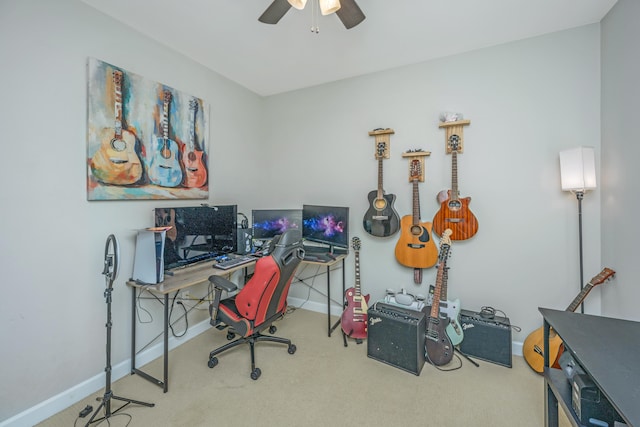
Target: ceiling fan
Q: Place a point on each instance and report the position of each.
(347, 10)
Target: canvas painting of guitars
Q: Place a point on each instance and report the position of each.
(454, 212)
(116, 161)
(533, 346)
(450, 308)
(438, 346)
(354, 317)
(415, 247)
(381, 219)
(164, 166)
(194, 160)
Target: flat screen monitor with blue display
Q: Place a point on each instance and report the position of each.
(328, 225)
(268, 223)
(197, 233)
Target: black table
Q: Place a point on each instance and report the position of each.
(609, 352)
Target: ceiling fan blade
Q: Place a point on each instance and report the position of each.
(350, 13)
(275, 12)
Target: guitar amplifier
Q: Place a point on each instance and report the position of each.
(396, 336)
(487, 338)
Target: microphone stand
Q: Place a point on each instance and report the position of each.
(110, 271)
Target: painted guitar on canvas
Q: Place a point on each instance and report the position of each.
(116, 162)
(533, 346)
(454, 212)
(354, 318)
(438, 346)
(164, 166)
(195, 169)
(450, 308)
(415, 247)
(381, 219)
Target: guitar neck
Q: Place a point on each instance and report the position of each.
(445, 278)
(454, 175)
(580, 297)
(416, 203)
(437, 292)
(380, 190)
(165, 116)
(117, 87)
(357, 292)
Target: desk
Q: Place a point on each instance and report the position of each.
(181, 279)
(195, 275)
(608, 351)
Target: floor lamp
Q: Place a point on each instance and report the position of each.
(578, 175)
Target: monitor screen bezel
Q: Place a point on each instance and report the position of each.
(310, 212)
(293, 216)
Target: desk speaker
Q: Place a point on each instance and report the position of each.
(488, 339)
(395, 336)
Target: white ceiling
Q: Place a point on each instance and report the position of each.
(225, 35)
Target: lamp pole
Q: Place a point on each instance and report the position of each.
(580, 196)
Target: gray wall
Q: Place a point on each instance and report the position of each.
(526, 101)
(620, 154)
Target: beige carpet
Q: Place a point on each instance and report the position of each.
(322, 384)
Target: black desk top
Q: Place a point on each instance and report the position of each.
(609, 351)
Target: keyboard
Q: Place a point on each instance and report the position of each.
(234, 262)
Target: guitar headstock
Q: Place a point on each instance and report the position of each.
(167, 97)
(605, 275)
(445, 245)
(117, 78)
(193, 105)
(454, 143)
(415, 169)
(355, 243)
(381, 148)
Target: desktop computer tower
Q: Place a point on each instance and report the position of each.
(396, 336)
(245, 241)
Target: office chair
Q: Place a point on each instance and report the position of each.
(261, 301)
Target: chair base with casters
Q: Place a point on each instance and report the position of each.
(260, 302)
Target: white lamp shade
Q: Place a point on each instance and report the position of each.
(329, 6)
(578, 169)
(298, 4)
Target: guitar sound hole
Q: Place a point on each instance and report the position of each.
(455, 205)
(416, 230)
(192, 156)
(165, 152)
(118, 144)
(380, 204)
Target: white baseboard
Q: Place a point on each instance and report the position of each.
(61, 401)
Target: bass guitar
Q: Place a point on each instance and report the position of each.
(450, 308)
(454, 212)
(354, 317)
(164, 166)
(533, 346)
(415, 247)
(195, 169)
(381, 219)
(117, 162)
(438, 346)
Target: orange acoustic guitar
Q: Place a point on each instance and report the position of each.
(533, 346)
(454, 212)
(116, 162)
(415, 247)
(195, 169)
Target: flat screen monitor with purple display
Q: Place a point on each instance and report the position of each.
(328, 225)
(268, 223)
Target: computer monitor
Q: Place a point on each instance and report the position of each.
(267, 223)
(326, 224)
(197, 233)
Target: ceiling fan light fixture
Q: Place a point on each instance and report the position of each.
(329, 6)
(298, 4)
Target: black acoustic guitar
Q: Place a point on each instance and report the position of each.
(438, 347)
(381, 219)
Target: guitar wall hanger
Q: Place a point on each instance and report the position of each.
(454, 128)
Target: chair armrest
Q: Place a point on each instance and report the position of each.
(222, 283)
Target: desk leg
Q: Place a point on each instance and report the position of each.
(166, 342)
(550, 407)
(332, 328)
(329, 300)
(133, 330)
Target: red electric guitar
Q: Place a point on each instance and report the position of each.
(354, 318)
